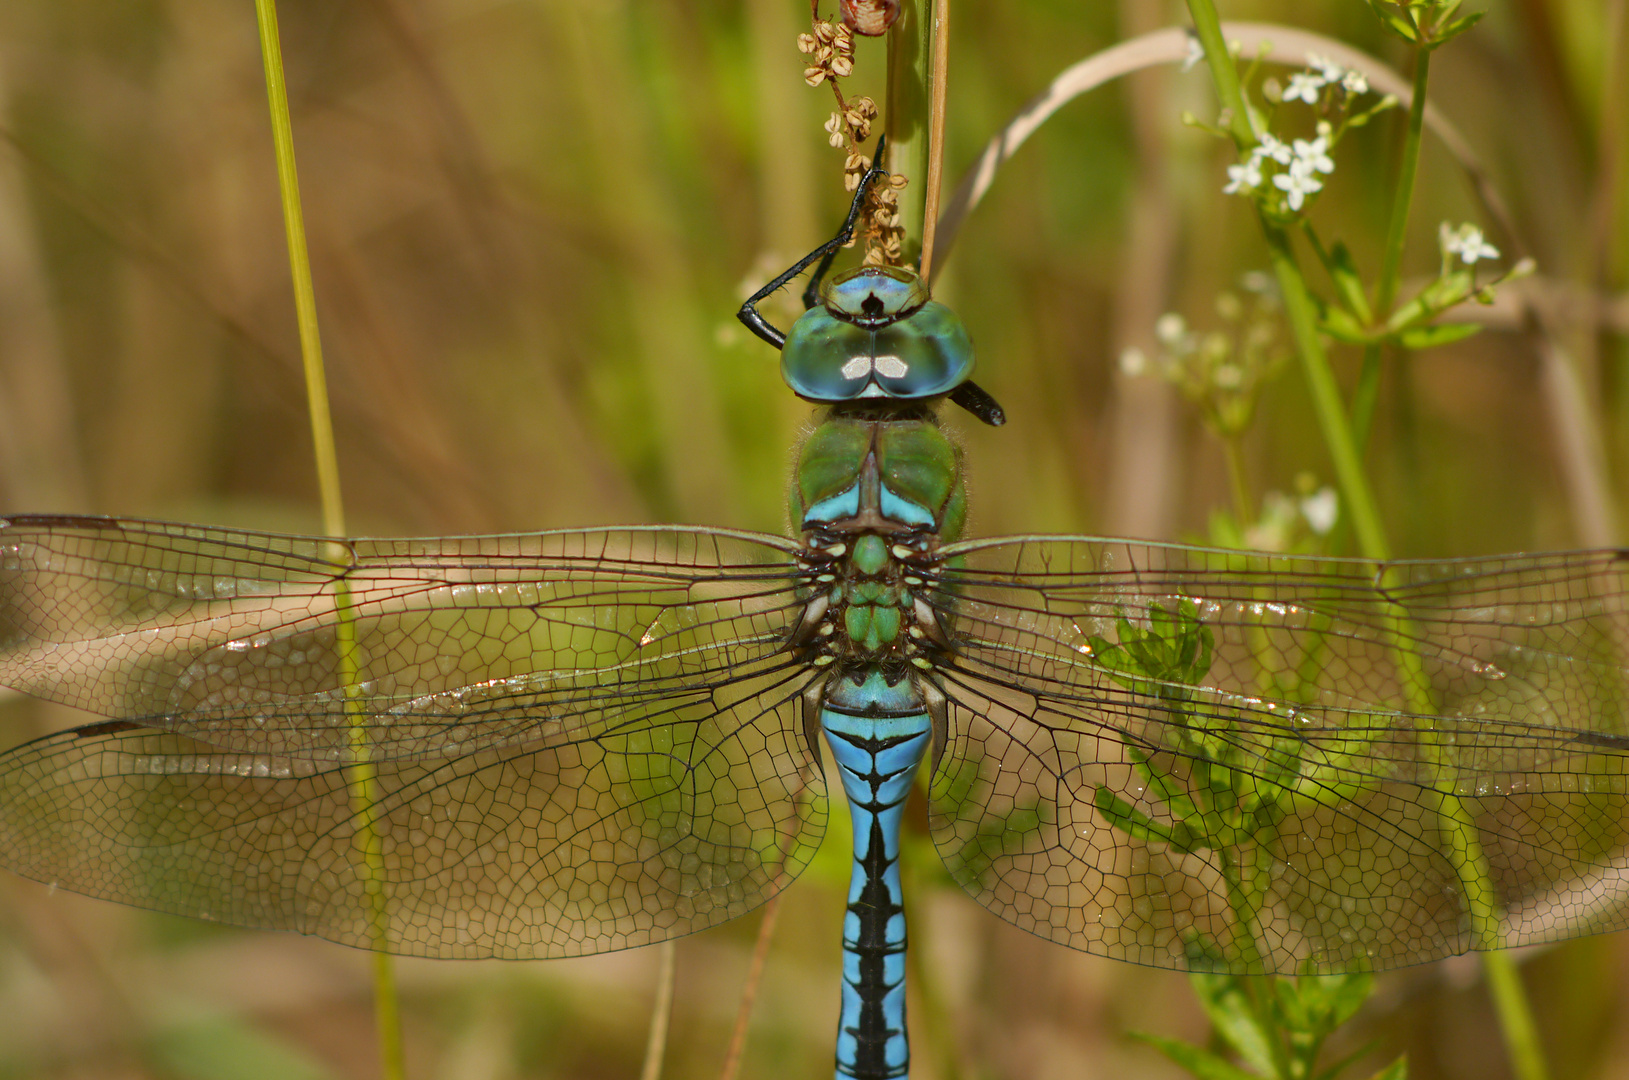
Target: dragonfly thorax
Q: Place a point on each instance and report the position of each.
(875, 494)
(876, 334)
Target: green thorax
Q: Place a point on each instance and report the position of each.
(877, 489)
(883, 470)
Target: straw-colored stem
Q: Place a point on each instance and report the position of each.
(938, 84)
(361, 777)
(661, 1012)
(749, 992)
(905, 116)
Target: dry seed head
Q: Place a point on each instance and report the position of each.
(869, 17)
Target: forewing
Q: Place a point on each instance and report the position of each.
(1380, 764)
(299, 646)
(539, 746)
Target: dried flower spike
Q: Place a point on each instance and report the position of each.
(869, 17)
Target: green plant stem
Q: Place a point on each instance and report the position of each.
(1235, 474)
(1326, 395)
(1403, 198)
(1368, 387)
(1515, 1016)
(361, 777)
(299, 259)
(1208, 25)
(1510, 999)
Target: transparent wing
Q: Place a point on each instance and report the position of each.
(540, 745)
(1215, 759)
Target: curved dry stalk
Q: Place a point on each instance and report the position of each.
(1580, 445)
(749, 992)
(661, 1011)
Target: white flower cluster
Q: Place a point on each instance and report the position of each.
(1301, 161)
(1321, 72)
(1467, 242)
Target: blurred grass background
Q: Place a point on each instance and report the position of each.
(530, 224)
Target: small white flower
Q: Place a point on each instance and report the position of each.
(1297, 183)
(1196, 53)
(1467, 242)
(1314, 154)
(1273, 148)
(1245, 176)
(1355, 82)
(1475, 246)
(1133, 362)
(1170, 328)
(1227, 377)
(1320, 509)
(1304, 86)
(1325, 67)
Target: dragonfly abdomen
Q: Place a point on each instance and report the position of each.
(878, 731)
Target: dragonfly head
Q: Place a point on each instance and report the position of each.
(876, 334)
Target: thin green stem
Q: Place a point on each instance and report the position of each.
(1403, 197)
(1365, 398)
(1326, 396)
(362, 775)
(305, 295)
(1515, 1016)
(1208, 25)
(1236, 479)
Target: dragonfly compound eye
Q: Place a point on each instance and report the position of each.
(877, 336)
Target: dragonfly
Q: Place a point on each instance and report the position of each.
(572, 742)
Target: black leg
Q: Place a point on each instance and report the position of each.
(973, 397)
(749, 314)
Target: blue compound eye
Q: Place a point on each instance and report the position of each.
(925, 354)
(878, 336)
(874, 295)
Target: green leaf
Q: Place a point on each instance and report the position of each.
(1230, 1011)
(1165, 790)
(228, 1048)
(1201, 1063)
(1348, 284)
(1397, 1070)
(1138, 825)
(1428, 337)
(1340, 324)
(1350, 991)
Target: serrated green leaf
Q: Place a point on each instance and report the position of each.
(1428, 337)
(1201, 1063)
